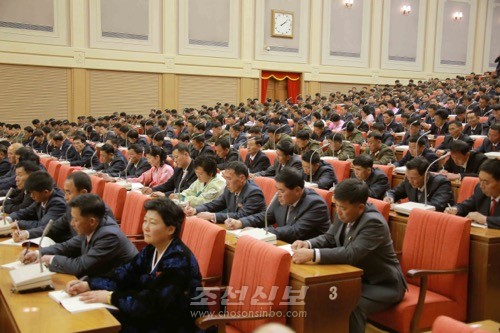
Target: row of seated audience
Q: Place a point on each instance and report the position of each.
(91, 244)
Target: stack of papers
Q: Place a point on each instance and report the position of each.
(73, 303)
(47, 241)
(493, 155)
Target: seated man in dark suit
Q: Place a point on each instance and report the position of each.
(474, 127)
(158, 139)
(111, 163)
(241, 197)
(133, 138)
(5, 165)
(387, 137)
(376, 179)
(49, 203)
(320, 132)
(236, 137)
(225, 154)
(491, 143)
(284, 158)
(85, 155)
(440, 125)
(360, 124)
(63, 149)
(138, 164)
(455, 133)
(20, 198)
(482, 207)
(200, 147)
(462, 162)
(39, 142)
(359, 236)
(256, 160)
(99, 247)
(413, 129)
(418, 149)
(297, 213)
(76, 183)
(323, 174)
(439, 192)
(390, 124)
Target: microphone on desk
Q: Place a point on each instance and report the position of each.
(267, 210)
(66, 154)
(276, 130)
(427, 172)
(92, 160)
(315, 151)
(420, 137)
(3, 204)
(45, 232)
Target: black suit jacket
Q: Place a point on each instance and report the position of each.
(309, 218)
(232, 156)
(205, 150)
(136, 171)
(442, 131)
(35, 215)
(250, 201)
(324, 176)
(259, 163)
(473, 164)
(439, 192)
(481, 129)
(363, 127)
(4, 166)
(448, 141)
(83, 159)
(377, 182)
(66, 152)
(427, 154)
(480, 203)
(275, 169)
(18, 200)
(174, 182)
(115, 168)
(487, 147)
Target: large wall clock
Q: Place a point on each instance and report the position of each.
(282, 24)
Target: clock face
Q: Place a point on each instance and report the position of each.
(282, 24)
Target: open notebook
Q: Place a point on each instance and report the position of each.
(73, 303)
(35, 242)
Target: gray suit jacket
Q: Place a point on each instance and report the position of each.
(250, 201)
(108, 249)
(368, 246)
(309, 218)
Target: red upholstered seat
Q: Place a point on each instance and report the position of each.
(387, 169)
(133, 217)
(342, 168)
(445, 324)
(271, 155)
(467, 187)
(243, 153)
(357, 149)
(207, 242)
(45, 161)
(53, 170)
(258, 268)
(478, 142)
(439, 140)
(268, 186)
(114, 196)
(327, 196)
(433, 241)
(382, 206)
(98, 185)
(64, 172)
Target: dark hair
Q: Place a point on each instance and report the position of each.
(459, 146)
(303, 135)
(90, 205)
(491, 167)
(199, 137)
(26, 154)
(306, 157)
(3, 149)
(290, 177)
(171, 214)
(28, 166)
(238, 167)
(107, 148)
(319, 124)
(375, 135)
(363, 160)
(457, 123)
(81, 180)
(286, 147)
(352, 190)
(207, 163)
(133, 134)
(157, 151)
(136, 147)
(39, 181)
(442, 113)
(414, 138)
(495, 127)
(418, 163)
(182, 148)
(223, 142)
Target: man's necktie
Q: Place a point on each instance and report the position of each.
(493, 207)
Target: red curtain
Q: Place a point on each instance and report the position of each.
(293, 83)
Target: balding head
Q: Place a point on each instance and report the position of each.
(11, 152)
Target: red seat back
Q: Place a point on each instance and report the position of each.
(98, 185)
(207, 242)
(327, 196)
(243, 153)
(388, 169)
(53, 170)
(478, 142)
(133, 213)
(467, 187)
(268, 187)
(382, 206)
(444, 324)
(64, 171)
(271, 155)
(114, 196)
(342, 168)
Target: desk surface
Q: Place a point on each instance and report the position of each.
(37, 312)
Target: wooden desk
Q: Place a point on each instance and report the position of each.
(484, 268)
(37, 312)
(398, 178)
(322, 313)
